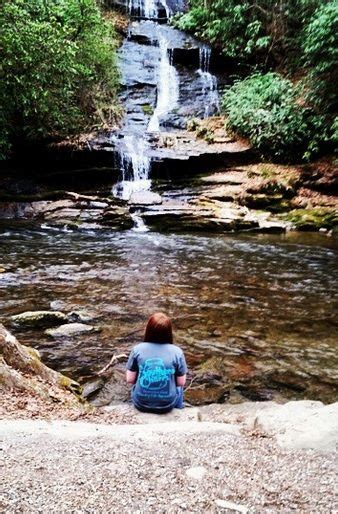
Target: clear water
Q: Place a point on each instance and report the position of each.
(262, 306)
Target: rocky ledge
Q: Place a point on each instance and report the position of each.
(251, 197)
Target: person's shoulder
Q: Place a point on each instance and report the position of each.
(177, 349)
(139, 345)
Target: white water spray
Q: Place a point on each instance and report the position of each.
(167, 86)
(134, 163)
(144, 8)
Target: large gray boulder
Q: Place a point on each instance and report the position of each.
(302, 424)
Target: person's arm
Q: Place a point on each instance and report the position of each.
(132, 368)
(181, 371)
(131, 376)
(180, 381)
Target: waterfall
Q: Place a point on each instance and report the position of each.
(204, 58)
(134, 163)
(166, 8)
(209, 83)
(167, 86)
(147, 8)
(144, 8)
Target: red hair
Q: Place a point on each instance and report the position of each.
(159, 329)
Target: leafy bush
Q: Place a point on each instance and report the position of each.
(320, 44)
(320, 47)
(260, 31)
(265, 109)
(58, 69)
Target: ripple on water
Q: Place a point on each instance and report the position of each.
(217, 288)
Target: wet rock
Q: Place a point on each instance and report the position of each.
(82, 316)
(70, 330)
(58, 305)
(275, 227)
(118, 218)
(39, 319)
(263, 201)
(92, 388)
(196, 220)
(186, 56)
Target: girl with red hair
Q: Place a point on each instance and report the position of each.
(157, 368)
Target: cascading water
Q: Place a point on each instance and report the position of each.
(147, 9)
(134, 163)
(209, 83)
(153, 88)
(167, 86)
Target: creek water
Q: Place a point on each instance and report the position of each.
(261, 309)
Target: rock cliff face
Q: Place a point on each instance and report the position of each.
(21, 370)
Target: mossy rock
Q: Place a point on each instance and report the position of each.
(39, 319)
(313, 219)
(147, 109)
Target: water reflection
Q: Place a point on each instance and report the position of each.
(264, 305)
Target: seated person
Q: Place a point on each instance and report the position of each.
(157, 369)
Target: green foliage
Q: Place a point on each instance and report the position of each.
(265, 109)
(320, 47)
(289, 35)
(259, 31)
(57, 69)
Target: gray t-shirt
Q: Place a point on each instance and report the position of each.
(157, 366)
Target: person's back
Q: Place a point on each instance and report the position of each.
(157, 368)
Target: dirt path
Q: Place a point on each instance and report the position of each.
(64, 466)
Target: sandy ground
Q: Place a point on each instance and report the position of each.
(165, 467)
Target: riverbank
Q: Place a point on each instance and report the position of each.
(251, 457)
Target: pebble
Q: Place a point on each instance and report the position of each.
(197, 472)
(224, 504)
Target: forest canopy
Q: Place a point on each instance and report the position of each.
(295, 107)
(58, 71)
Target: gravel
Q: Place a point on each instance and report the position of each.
(173, 467)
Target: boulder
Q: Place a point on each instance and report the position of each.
(302, 424)
(144, 198)
(118, 218)
(21, 369)
(70, 330)
(39, 319)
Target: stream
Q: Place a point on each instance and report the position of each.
(259, 311)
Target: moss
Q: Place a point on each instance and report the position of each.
(147, 109)
(313, 219)
(70, 385)
(35, 354)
